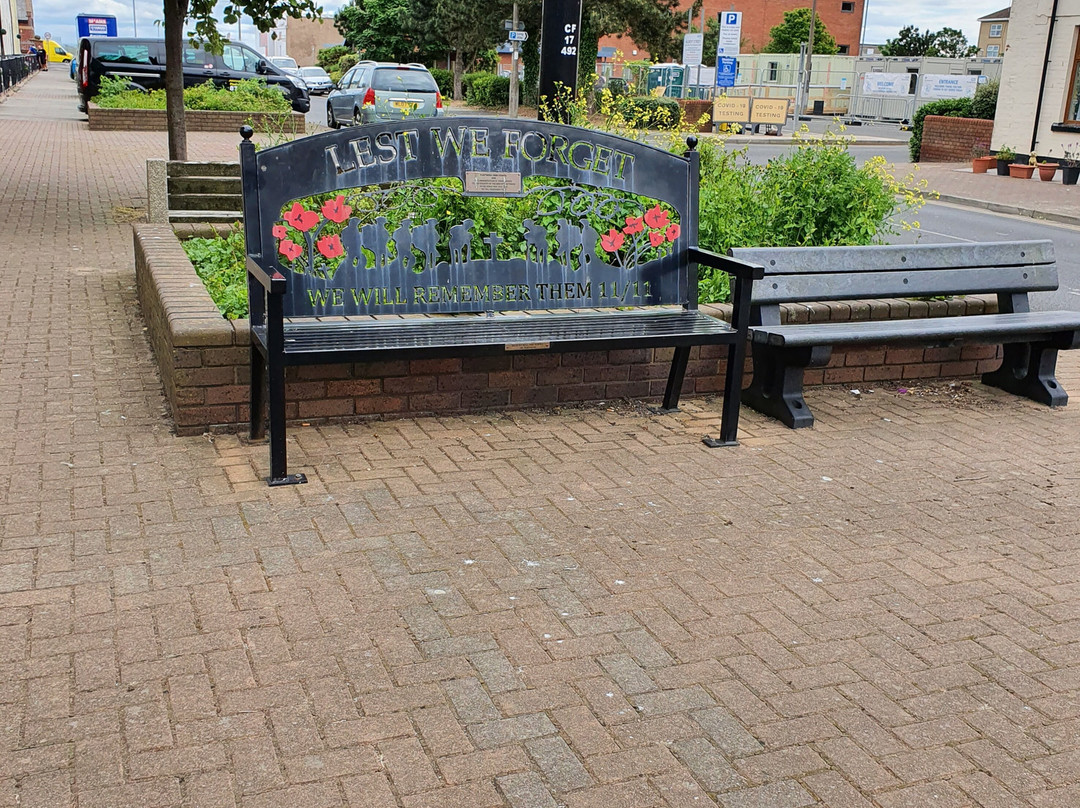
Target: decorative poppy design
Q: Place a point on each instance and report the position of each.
(612, 240)
(279, 231)
(290, 249)
(633, 225)
(656, 238)
(672, 232)
(336, 210)
(657, 218)
(302, 220)
(330, 246)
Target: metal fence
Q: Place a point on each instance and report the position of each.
(14, 69)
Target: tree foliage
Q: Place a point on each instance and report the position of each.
(462, 28)
(375, 29)
(946, 42)
(201, 14)
(795, 29)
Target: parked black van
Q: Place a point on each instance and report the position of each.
(142, 62)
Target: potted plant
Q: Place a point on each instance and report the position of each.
(1070, 164)
(1005, 155)
(1024, 171)
(980, 159)
(1047, 170)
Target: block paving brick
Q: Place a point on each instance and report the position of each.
(572, 607)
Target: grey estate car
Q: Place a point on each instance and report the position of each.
(380, 91)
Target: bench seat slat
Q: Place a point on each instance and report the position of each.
(904, 283)
(465, 331)
(1018, 327)
(882, 258)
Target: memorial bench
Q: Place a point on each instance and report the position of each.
(781, 352)
(352, 256)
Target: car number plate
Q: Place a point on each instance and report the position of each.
(409, 105)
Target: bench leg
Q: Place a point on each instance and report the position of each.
(257, 416)
(278, 460)
(1027, 369)
(776, 388)
(675, 380)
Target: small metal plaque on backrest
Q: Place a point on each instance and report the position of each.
(493, 183)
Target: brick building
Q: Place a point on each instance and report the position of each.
(301, 38)
(843, 19)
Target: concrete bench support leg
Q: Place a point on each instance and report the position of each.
(776, 388)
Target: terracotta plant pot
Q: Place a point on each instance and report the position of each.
(980, 165)
(1069, 174)
(1047, 171)
(1021, 170)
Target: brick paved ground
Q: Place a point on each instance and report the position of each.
(585, 608)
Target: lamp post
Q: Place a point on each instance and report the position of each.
(134, 22)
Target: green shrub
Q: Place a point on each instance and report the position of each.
(949, 107)
(648, 112)
(487, 90)
(984, 105)
(250, 95)
(347, 62)
(220, 264)
(467, 80)
(328, 58)
(445, 80)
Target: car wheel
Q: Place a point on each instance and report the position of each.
(331, 121)
(357, 119)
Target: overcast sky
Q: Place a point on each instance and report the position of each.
(883, 20)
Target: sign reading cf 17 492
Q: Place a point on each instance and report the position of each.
(559, 43)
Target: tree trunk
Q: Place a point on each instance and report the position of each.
(459, 71)
(588, 49)
(175, 12)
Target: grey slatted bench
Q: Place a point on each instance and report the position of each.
(351, 257)
(1011, 270)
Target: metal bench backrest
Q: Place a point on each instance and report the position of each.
(804, 274)
(381, 248)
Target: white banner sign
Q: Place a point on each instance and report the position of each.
(886, 83)
(692, 47)
(730, 33)
(937, 86)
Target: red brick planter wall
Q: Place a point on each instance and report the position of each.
(949, 140)
(198, 120)
(203, 359)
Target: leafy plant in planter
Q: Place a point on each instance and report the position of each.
(1070, 164)
(1005, 155)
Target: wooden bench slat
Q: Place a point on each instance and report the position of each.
(989, 327)
(904, 283)
(909, 256)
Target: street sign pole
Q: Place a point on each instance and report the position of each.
(513, 111)
(559, 44)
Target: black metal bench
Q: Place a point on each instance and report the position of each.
(351, 259)
(781, 352)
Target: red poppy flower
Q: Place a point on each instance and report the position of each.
(656, 217)
(633, 225)
(290, 249)
(612, 240)
(656, 238)
(336, 210)
(302, 220)
(330, 246)
(672, 232)
(279, 231)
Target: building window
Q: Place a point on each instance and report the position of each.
(1072, 112)
(773, 70)
(993, 51)
(847, 8)
(913, 82)
(843, 50)
(995, 30)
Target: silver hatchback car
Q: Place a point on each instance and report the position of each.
(380, 91)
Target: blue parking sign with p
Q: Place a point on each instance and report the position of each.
(731, 18)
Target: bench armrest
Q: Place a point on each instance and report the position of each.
(732, 266)
(274, 283)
